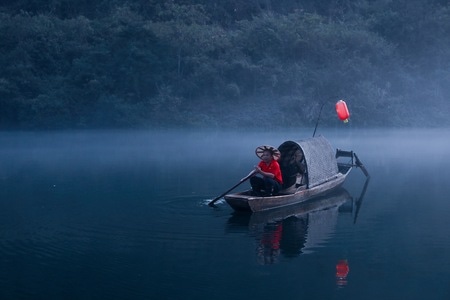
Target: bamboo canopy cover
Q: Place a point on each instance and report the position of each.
(319, 156)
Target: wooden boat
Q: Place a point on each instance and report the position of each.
(323, 174)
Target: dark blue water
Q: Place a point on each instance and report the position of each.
(124, 215)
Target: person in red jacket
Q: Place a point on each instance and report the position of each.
(271, 180)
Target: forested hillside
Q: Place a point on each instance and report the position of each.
(229, 63)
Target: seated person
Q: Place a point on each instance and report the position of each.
(271, 179)
(300, 167)
(293, 169)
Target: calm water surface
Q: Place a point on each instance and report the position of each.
(124, 215)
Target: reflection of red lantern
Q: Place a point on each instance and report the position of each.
(342, 270)
(342, 111)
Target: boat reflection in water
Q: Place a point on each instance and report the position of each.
(297, 229)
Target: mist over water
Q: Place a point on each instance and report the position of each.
(123, 214)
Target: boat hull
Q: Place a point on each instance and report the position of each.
(246, 202)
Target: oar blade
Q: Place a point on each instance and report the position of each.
(232, 188)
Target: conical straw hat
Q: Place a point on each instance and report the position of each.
(275, 152)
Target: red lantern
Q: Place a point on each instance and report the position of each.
(342, 111)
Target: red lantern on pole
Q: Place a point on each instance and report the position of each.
(342, 111)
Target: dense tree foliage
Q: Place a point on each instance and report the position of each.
(81, 64)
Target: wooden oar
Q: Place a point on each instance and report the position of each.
(235, 186)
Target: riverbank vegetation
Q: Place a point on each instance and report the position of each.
(258, 63)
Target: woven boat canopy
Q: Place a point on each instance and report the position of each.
(316, 153)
